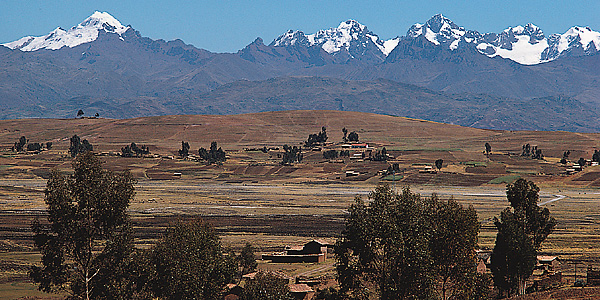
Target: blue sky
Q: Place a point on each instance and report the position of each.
(229, 25)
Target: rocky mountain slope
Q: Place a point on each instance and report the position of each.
(102, 66)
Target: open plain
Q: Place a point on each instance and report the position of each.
(253, 197)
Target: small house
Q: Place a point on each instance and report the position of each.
(301, 291)
(548, 263)
(359, 146)
(311, 252)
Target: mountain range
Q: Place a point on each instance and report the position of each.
(438, 71)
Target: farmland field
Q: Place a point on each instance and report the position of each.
(252, 197)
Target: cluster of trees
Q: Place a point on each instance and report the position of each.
(23, 144)
(403, 246)
(80, 114)
(79, 146)
(315, 139)
(185, 149)
(393, 169)
(134, 150)
(565, 157)
(532, 151)
(87, 245)
(330, 154)
(522, 228)
(213, 155)
(352, 137)
(291, 154)
(380, 155)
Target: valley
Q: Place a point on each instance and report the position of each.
(253, 197)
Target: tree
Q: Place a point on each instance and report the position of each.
(185, 149)
(521, 230)
(34, 147)
(581, 162)
(87, 235)
(398, 246)
(78, 146)
(49, 145)
(566, 154)
(133, 150)
(353, 136)
(214, 155)
(316, 139)
(330, 154)
(190, 263)
(291, 155)
(596, 156)
(439, 163)
(345, 138)
(247, 259)
(80, 113)
(267, 286)
(18, 146)
(383, 251)
(380, 155)
(453, 245)
(488, 148)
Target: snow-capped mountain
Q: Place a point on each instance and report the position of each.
(350, 36)
(523, 44)
(441, 31)
(526, 45)
(85, 32)
(577, 41)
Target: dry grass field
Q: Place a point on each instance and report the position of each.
(252, 197)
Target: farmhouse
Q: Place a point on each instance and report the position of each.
(548, 263)
(301, 291)
(313, 251)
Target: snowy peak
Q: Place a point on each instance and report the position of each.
(335, 39)
(85, 32)
(577, 41)
(522, 44)
(291, 38)
(350, 36)
(440, 30)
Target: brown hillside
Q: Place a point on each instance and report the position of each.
(411, 142)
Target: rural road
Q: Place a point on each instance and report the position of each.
(558, 197)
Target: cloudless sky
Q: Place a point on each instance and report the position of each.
(229, 25)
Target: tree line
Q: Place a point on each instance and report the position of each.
(210, 156)
(23, 145)
(87, 245)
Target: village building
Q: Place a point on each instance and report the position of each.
(312, 252)
(301, 291)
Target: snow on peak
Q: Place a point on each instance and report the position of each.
(335, 39)
(85, 32)
(291, 38)
(440, 30)
(522, 44)
(349, 34)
